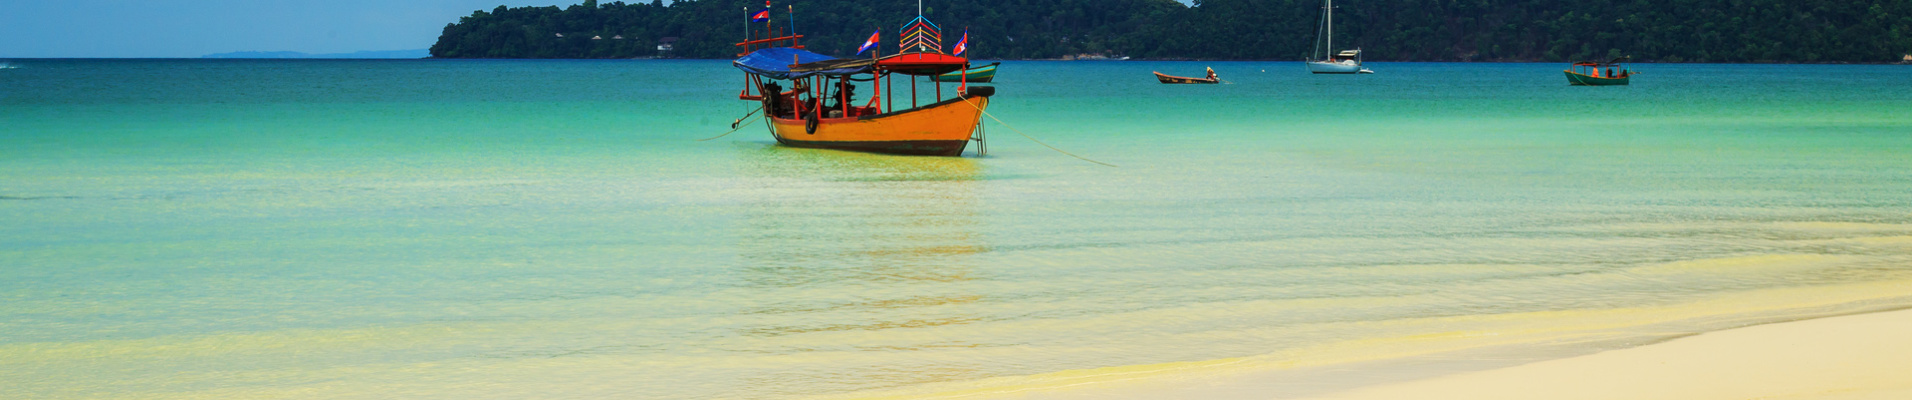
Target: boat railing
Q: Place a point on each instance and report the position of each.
(795, 43)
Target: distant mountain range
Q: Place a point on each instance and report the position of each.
(420, 53)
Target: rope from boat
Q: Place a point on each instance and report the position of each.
(1031, 138)
(734, 126)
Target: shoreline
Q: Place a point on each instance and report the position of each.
(1427, 363)
(1857, 355)
(1853, 356)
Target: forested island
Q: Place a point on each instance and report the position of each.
(1809, 31)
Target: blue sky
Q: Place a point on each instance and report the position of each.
(192, 28)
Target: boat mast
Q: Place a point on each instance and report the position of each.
(1330, 29)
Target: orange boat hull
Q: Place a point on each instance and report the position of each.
(939, 129)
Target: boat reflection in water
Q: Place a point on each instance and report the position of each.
(853, 257)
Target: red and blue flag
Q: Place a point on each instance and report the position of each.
(961, 45)
(761, 15)
(870, 44)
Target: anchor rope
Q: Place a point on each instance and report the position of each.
(1031, 138)
(737, 125)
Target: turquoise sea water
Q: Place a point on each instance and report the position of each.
(551, 229)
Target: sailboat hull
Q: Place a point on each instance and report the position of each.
(1333, 68)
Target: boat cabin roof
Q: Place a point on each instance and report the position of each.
(921, 63)
(777, 63)
(780, 63)
(1614, 62)
(1348, 53)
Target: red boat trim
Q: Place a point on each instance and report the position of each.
(951, 100)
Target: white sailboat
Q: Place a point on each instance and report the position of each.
(1344, 62)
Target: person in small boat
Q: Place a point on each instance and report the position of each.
(1211, 73)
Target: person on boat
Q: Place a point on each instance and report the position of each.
(840, 104)
(1211, 73)
(775, 100)
(849, 97)
(799, 106)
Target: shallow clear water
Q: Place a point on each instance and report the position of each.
(510, 229)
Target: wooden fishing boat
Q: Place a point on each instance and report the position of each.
(1172, 79)
(983, 74)
(937, 129)
(1589, 73)
(821, 108)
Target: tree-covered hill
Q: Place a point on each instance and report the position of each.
(1406, 30)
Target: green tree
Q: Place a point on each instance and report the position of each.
(1419, 30)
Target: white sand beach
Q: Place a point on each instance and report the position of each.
(1866, 356)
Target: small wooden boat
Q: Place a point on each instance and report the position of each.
(1211, 79)
(982, 74)
(1589, 73)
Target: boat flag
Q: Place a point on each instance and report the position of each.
(868, 44)
(762, 15)
(961, 45)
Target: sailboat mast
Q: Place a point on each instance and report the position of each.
(1330, 28)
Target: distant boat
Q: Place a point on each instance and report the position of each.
(1211, 79)
(982, 74)
(1589, 73)
(1344, 62)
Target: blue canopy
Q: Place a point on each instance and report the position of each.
(775, 63)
